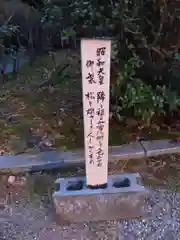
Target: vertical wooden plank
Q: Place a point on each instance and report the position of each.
(95, 63)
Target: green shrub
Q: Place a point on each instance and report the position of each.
(144, 33)
(133, 96)
(142, 101)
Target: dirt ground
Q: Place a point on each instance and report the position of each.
(26, 212)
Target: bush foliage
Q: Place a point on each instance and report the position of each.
(145, 38)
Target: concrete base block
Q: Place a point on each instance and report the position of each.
(123, 198)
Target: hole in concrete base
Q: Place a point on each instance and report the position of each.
(102, 186)
(121, 183)
(75, 186)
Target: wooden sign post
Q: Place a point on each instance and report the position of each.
(81, 199)
(95, 57)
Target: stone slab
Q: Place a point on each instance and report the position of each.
(40, 161)
(111, 203)
(160, 147)
(56, 159)
(133, 150)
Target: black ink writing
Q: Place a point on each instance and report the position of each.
(100, 111)
(96, 114)
(90, 78)
(91, 160)
(100, 135)
(100, 154)
(101, 75)
(100, 63)
(90, 103)
(101, 80)
(90, 95)
(91, 123)
(89, 63)
(90, 112)
(100, 71)
(100, 96)
(100, 125)
(100, 51)
(90, 154)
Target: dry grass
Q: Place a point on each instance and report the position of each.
(45, 102)
(39, 98)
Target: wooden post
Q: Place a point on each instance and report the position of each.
(82, 199)
(95, 63)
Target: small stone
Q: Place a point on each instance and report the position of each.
(62, 109)
(17, 180)
(47, 143)
(11, 179)
(3, 152)
(60, 123)
(13, 120)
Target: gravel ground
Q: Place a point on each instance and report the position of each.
(24, 218)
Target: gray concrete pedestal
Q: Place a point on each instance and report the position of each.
(123, 198)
